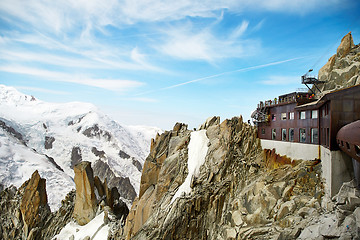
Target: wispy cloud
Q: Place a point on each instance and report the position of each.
(221, 74)
(191, 43)
(118, 85)
(281, 80)
(64, 15)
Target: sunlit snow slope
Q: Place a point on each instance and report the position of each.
(68, 133)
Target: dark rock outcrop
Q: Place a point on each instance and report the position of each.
(137, 164)
(95, 131)
(48, 142)
(100, 154)
(54, 163)
(126, 190)
(76, 157)
(123, 154)
(12, 132)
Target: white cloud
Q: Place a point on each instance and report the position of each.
(190, 43)
(118, 85)
(63, 15)
(239, 30)
(87, 53)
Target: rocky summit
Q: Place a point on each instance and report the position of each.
(240, 191)
(342, 69)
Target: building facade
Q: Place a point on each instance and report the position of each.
(301, 127)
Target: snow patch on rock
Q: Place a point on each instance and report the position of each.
(197, 150)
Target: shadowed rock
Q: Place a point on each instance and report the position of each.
(48, 142)
(75, 156)
(123, 154)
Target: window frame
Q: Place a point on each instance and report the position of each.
(302, 115)
(291, 136)
(273, 134)
(302, 136)
(312, 135)
(291, 115)
(316, 115)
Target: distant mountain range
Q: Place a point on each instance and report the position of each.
(53, 137)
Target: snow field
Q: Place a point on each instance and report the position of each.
(96, 229)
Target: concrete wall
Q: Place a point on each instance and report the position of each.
(336, 166)
(293, 150)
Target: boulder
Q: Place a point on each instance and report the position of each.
(347, 43)
(85, 201)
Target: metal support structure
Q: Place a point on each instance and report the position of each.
(305, 79)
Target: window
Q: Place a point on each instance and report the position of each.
(348, 146)
(283, 116)
(291, 115)
(314, 135)
(291, 134)
(273, 117)
(302, 115)
(263, 131)
(325, 110)
(302, 135)
(283, 134)
(314, 114)
(273, 134)
(357, 150)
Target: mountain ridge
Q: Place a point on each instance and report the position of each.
(67, 133)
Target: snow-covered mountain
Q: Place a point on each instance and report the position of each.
(53, 137)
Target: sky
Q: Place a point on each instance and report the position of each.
(158, 62)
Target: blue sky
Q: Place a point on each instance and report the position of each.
(156, 63)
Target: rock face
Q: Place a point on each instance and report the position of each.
(34, 205)
(199, 214)
(342, 69)
(75, 156)
(241, 192)
(25, 215)
(126, 190)
(48, 142)
(85, 201)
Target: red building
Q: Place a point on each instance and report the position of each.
(301, 127)
(297, 117)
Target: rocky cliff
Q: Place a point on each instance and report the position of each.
(238, 192)
(26, 214)
(342, 69)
